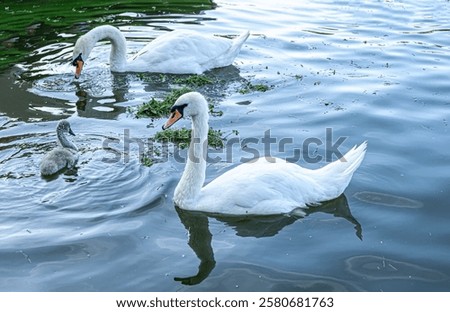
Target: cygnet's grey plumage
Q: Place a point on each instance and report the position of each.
(65, 155)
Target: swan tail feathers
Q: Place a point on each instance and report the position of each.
(238, 42)
(339, 173)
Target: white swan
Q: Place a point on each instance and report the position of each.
(177, 52)
(66, 155)
(261, 187)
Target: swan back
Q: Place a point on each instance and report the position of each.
(187, 52)
(66, 155)
(264, 187)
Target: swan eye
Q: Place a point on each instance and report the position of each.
(176, 113)
(179, 108)
(75, 61)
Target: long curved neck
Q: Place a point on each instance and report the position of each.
(64, 141)
(117, 58)
(193, 176)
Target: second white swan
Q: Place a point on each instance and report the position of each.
(176, 52)
(261, 187)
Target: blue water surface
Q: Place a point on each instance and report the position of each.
(364, 70)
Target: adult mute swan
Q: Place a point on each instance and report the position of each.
(176, 52)
(260, 187)
(66, 155)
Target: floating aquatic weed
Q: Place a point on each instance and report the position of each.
(195, 80)
(158, 109)
(147, 161)
(213, 111)
(250, 87)
(182, 137)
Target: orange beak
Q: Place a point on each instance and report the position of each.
(79, 67)
(174, 117)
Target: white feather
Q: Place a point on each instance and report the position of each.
(176, 52)
(261, 187)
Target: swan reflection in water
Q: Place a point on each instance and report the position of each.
(200, 237)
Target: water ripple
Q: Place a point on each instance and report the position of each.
(375, 71)
(379, 268)
(387, 200)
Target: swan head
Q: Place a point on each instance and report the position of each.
(64, 126)
(81, 51)
(78, 63)
(190, 104)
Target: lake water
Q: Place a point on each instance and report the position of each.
(364, 70)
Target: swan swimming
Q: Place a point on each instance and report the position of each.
(176, 52)
(65, 155)
(259, 187)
